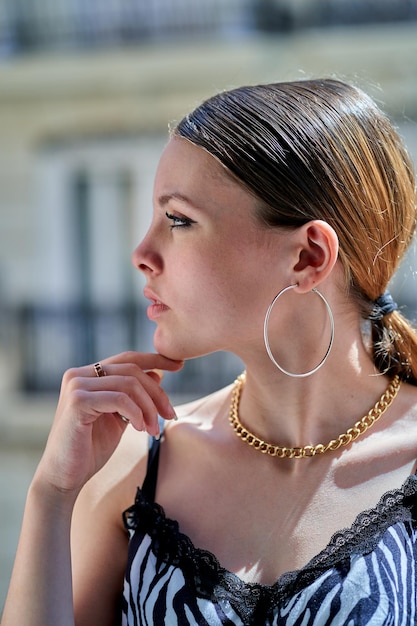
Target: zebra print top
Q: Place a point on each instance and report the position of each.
(366, 574)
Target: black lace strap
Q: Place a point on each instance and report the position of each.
(151, 478)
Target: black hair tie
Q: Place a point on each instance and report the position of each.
(384, 305)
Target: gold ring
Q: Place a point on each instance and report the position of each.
(98, 368)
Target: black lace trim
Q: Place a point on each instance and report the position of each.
(203, 570)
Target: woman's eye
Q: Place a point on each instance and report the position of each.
(179, 222)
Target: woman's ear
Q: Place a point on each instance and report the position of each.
(318, 248)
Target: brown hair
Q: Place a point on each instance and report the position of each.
(322, 149)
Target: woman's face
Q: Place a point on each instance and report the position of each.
(210, 268)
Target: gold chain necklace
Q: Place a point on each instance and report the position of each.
(344, 439)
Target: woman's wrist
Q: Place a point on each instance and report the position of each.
(50, 496)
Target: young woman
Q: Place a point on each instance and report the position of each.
(281, 213)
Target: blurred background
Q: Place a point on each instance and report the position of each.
(87, 90)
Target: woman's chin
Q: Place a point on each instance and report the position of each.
(169, 350)
(174, 351)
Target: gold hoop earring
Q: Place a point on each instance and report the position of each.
(266, 340)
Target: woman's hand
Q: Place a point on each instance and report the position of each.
(88, 425)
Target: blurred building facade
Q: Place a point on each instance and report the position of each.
(87, 90)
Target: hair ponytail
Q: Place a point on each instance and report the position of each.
(394, 346)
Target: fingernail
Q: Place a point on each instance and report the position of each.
(160, 373)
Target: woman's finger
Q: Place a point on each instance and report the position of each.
(148, 363)
(129, 378)
(145, 361)
(125, 380)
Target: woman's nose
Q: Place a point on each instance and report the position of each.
(146, 258)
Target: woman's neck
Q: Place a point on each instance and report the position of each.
(296, 412)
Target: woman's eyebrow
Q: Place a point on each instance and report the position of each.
(166, 198)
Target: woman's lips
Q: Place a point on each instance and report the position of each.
(157, 308)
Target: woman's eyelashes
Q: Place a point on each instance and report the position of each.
(179, 221)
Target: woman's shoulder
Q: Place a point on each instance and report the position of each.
(126, 469)
(200, 423)
(407, 411)
(405, 406)
(392, 443)
(112, 489)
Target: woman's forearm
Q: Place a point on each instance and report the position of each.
(40, 592)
